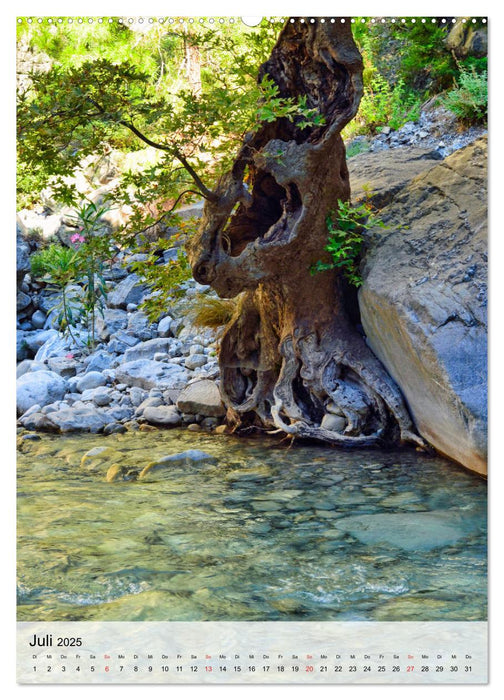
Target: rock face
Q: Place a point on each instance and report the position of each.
(423, 301)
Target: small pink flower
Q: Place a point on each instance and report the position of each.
(69, 356)
(77, 238)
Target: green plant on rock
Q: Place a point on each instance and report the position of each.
(83, 263)
(58, 266)
(346, 226)
(469, 99)
(94, 250)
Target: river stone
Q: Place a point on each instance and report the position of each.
(139, 326)
(398, 499)
(257, 473)
(148, 374)
(195, 361)
(99, 456)
(113, 320)
(41, 387)
(114, 473)
(147, 349)
(55, 346)
(409, 531)
(128, 291)
(100, 396)
(149, 401)
(333, 422)
(136, 395)
(23, 301)
(423, 301)
(121, 341)
(85, 418)
(36, 339)
(201, 397)
(29, 366)
(38, 319)
(187, 458)
(91, 380)
(64, 366)
(99, 361)
(164, 327)
(162, 415)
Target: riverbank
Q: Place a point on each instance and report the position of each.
(165, 374)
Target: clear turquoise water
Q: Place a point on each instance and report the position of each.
(260, 535)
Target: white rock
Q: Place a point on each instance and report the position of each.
(163, 415)
(41, 387)
(194, 361)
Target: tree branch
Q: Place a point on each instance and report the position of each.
(207, 194)
(166, 213)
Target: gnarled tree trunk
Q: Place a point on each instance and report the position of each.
(292, 359)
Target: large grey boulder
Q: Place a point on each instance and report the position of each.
(149, 374)
(41, 387)
(423, 302)
(201, 397)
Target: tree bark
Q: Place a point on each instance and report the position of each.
(291, 359)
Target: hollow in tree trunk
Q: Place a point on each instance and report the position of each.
(291, 359)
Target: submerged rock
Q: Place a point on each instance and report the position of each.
(409, 531)
(99, 456)
(187, 458)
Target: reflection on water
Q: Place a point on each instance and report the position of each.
(263, 533)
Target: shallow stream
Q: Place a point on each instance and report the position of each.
(264, 533)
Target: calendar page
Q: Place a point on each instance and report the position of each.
(251, 349)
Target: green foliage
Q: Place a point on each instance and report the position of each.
(356, 147)
(165, 279)
(407, 62)
(129, 89)
(272, 107)
(57, 263)
(61, 266)
(469, 99)
(383, 105)
(412, 51)
(346, 226)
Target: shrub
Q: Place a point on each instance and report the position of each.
(469, 99)
(346, 228)
(209, 312)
